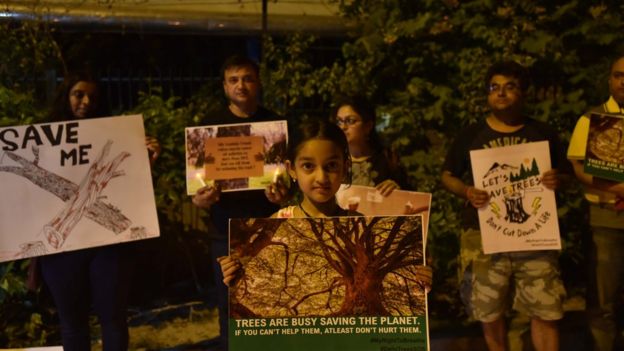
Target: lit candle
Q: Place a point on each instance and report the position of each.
(276, 174)
(200, 178)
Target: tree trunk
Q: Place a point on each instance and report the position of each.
(90, 189)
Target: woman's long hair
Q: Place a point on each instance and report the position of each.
(61, 108)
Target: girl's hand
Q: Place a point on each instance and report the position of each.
(387, 187)
(206, 196)
(425, 275)
(153, 148)
(230, 269)
(477, 197)
(550, 179)
(277, 192)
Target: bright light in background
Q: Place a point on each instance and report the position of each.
(383, 121)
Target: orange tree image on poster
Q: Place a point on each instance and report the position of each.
(340, 266)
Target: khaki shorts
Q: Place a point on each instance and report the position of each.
(487, 281)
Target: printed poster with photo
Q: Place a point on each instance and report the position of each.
(604, 156)
(73, 185)
(369, 202)
(522, 213)
(236, 157)
(341, 283)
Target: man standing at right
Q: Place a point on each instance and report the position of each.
(606, 220)
(529, 279)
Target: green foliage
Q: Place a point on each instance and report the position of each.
(18, 107)
(27, 49)
(165, 120)
(423, 63)
(23, 316)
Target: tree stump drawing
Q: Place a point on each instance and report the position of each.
(83, 200)
(515, 210)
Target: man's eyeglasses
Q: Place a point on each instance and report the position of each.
(346, 121)
(508, 88)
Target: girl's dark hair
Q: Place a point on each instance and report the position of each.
(366, 110)
(322, 130)
(61, 108)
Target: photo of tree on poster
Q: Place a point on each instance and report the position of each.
(340, 267)
(604, 156)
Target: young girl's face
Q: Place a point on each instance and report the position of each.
(319, 169)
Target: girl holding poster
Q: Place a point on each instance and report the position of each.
(319, 162)
(100, 276)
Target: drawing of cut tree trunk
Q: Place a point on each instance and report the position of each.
(88, 192)
(515, 209)
(105, 214)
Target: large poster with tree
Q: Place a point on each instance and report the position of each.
(347, 283)
(522, 213)
(75, 184)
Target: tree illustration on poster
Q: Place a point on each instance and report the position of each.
(323, 268)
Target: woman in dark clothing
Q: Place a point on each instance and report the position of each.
(99, 277)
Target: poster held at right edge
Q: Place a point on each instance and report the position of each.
(604, 156)
(521, 214)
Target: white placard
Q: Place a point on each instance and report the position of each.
(73, 185)
(521, 214)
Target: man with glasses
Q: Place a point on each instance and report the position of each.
(488, 279)
(606, 198)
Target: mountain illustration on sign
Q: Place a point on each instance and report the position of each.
(496, 167)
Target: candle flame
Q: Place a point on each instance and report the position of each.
(276, 174)
(200, 178)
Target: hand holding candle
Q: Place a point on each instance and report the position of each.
(276, 175)
(207, 195)
(201, 179)
(277, 190)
